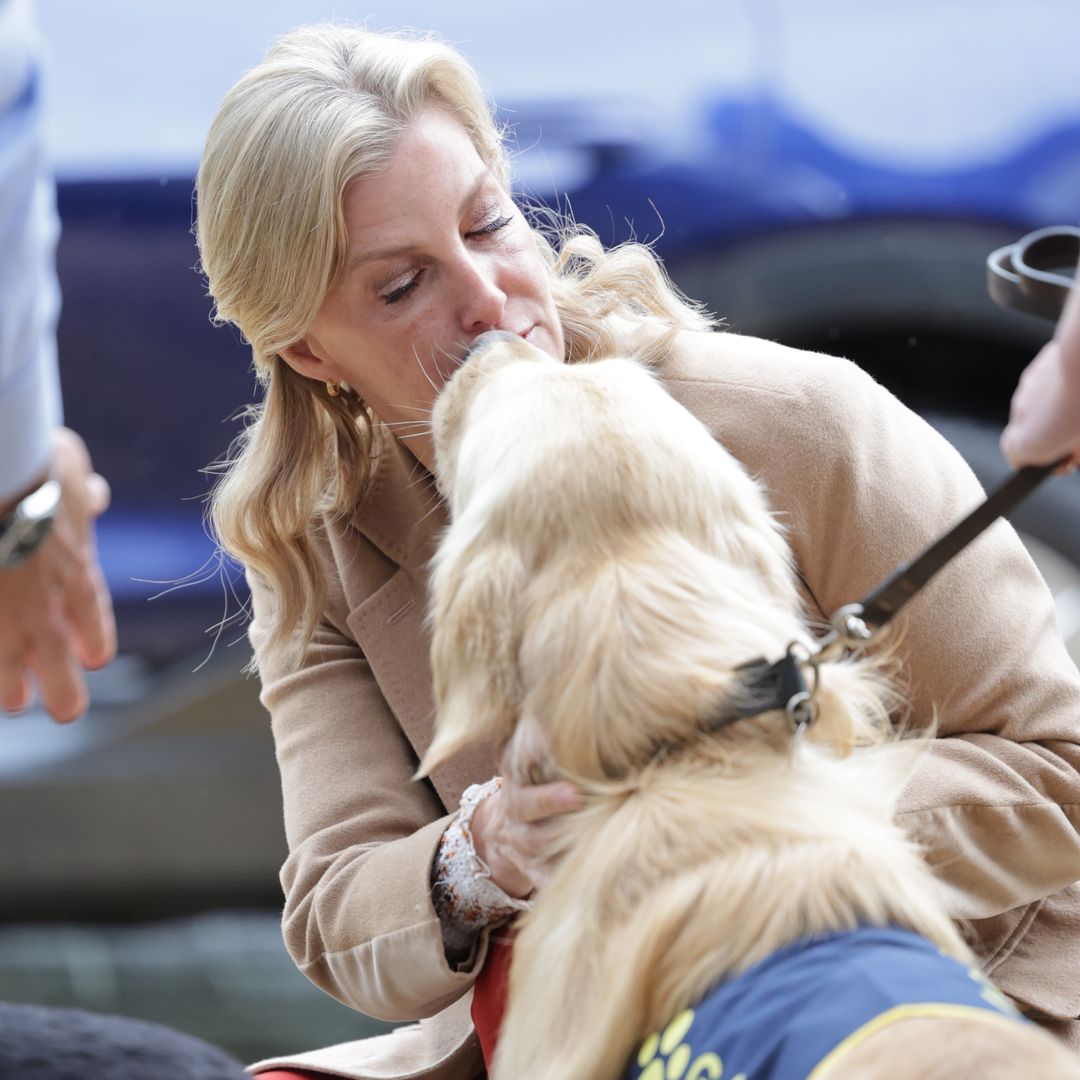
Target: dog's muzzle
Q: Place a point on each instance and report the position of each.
(486, 340)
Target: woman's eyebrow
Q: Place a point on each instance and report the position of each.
(362, 257)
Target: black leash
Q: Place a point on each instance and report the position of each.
(879, 606)
(781, 684)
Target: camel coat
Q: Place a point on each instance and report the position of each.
(861, 484)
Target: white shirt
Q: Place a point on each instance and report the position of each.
(29, 292)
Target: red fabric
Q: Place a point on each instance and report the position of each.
(292, 1074)
(489, 993)
(488, 1004)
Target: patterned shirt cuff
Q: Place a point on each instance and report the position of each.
(466, 898)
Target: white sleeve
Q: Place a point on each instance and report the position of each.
(29, 292)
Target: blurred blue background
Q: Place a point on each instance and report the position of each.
(828, 174)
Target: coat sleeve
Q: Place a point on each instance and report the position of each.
(359, 920)
(865, 484)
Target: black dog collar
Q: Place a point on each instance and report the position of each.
(770, 686)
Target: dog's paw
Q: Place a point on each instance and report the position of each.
(666, 1056)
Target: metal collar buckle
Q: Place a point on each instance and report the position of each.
(801, 706)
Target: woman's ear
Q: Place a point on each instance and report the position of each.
(306, 357)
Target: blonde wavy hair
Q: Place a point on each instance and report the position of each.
(324, 108)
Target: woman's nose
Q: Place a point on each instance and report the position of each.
(482, 300)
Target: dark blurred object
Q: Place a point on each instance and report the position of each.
(58, 1044)
(223, 976)
(1036, 273)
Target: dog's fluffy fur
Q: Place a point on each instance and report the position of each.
(607, 568)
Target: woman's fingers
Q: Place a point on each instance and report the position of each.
(514, 829)
(531, 827)
(541, 801)
(535, 842)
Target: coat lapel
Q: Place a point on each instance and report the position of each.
(402, 514)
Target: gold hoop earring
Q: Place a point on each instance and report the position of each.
(333, 389)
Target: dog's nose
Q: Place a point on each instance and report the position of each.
(489, 337)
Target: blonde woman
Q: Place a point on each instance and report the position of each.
(355, 222)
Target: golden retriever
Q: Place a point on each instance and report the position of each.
(608, 568)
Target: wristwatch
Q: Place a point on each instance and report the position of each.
(22, 530)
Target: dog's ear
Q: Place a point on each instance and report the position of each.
(475, 613)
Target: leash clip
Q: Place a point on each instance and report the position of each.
(801, 705)
(850, 627)
(802, 711)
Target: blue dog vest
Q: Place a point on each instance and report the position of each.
(808, 1003)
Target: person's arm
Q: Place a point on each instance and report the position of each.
(359, 919)
(1044, 419)
(29, 294)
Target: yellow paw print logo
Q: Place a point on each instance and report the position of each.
(664, 1056)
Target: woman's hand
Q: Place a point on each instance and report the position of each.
(512, 831)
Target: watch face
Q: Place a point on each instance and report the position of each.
(41, 503)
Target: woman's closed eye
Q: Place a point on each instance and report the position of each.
(402, 290)
(490, 227)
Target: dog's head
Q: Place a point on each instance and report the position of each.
(489, 353)
(608, 566)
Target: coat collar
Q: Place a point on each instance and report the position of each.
(401, 512)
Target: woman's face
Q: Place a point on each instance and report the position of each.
(437, 254)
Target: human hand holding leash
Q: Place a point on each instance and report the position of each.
(513, 828)
(1044, 420)
(57, 617)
